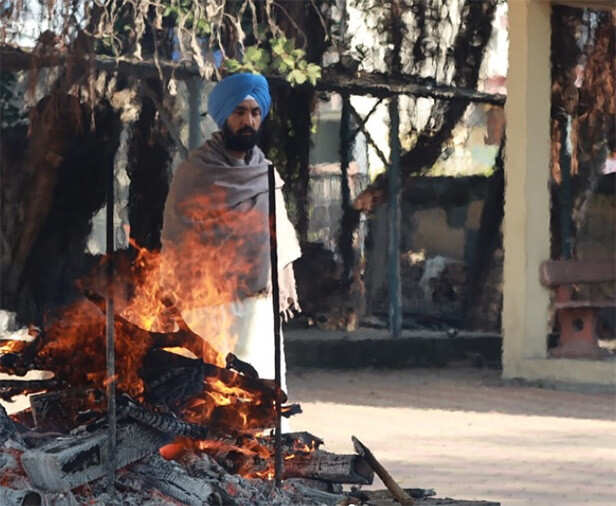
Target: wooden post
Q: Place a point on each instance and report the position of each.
(276, 312)
(395, 304)
(346, 236)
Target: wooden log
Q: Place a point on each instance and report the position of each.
(162, 422)
(10, 388)
(233, 362)
(327, 466)
(8, 428)
(323, 486)
(327, 498)
(172, 480)
(201, 465)
(68, 463)
(20, 362)
(169, 377)
(295, 440)
(289, 410)
(63, 410)
(396, 491)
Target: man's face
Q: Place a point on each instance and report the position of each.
(241, 130)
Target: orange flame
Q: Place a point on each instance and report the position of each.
(211, 265)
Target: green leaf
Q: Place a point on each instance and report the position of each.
(314, 73)
(296, 76)
(288, 60)
(298, 53)
(251, 53)
(289, 45)
(203, 27)
(278, 48)
(232, 65)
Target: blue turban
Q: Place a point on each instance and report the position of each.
(232, 90)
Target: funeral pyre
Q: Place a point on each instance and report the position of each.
(210, 419)
(192, 419)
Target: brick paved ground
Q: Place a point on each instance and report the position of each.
(466, 434)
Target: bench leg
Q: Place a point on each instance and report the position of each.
(578, 337)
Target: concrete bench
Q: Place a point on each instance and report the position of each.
(577, 317)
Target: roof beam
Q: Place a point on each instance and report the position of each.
(374, 84)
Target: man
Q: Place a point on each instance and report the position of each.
(216, 215)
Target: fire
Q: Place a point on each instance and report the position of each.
(13, 347)
(193, 274)
(187, 287)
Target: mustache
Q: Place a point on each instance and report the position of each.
(247, 130)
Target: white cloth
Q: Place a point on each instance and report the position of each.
(252, 323)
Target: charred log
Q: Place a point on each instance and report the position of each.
(327, 466)
(8, 428)
(68, 463)
(174, 481)
(234, 363)
(10, 388)
(163, 422)
(65, 409)
(22, 497)
(160, 360)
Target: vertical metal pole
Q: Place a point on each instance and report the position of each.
(395, 304)
(276, 311)
(110, 339)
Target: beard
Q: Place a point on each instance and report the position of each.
(243, 140)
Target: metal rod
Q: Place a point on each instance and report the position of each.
(276, 311)
(110, 339)
(395, 303)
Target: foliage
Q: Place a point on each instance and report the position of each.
(250, 35)
(287, 61)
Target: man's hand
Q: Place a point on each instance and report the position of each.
(289, 303)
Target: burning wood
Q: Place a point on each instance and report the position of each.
(213, 410)
(10, 388)
(72, 461)
(163, 422)
(63, 410)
